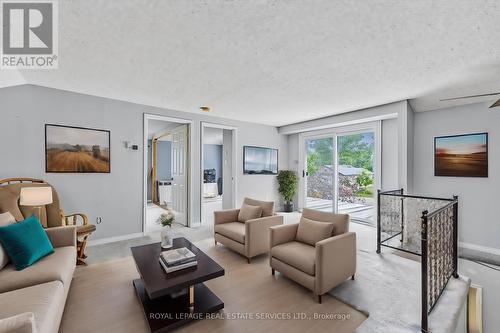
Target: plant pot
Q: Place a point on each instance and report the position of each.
(288, 207)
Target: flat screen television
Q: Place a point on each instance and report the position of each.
(260, 161)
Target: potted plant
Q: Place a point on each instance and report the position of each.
(287, 181)
(166, 220)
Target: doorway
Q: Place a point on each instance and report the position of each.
(218, 171)
(341, 171)
(166, 170)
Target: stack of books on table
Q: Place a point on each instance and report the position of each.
(176, 259)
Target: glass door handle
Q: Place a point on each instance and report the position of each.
(304, 173)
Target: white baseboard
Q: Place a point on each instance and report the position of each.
(114, 239)
(480, 248)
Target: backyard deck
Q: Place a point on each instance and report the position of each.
(357, 211)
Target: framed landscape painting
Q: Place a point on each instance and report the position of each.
(461, 155)
(76, 149)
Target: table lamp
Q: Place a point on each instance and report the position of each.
(36, 197)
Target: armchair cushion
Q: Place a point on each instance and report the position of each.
(248, 212)
(232, 230)
(340, 221)
(311, 232)
(267, 206)
(50, 215)
(5, 219)
(296, 254)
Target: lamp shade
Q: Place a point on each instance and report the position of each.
(35, 196)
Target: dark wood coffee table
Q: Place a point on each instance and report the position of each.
(173, 299)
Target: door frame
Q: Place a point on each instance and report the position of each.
(181, 121)
(374, 126)
(234, 159)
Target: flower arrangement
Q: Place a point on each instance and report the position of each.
(166, 219)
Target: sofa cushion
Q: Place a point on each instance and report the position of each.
(232, 230)
(311, 232)
(299, 255)
(59, 266)
(45, 301)
(5, 219)
(248, 212)
(21, 323)
(25, 242)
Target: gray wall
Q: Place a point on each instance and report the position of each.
(164, 164)
(390, 154)
(212, 159)
(116, 197)
(479, 209)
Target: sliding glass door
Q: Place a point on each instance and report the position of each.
(319, 173)
(355, 158)
(340, 172)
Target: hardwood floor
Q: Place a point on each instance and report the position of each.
(102, 299)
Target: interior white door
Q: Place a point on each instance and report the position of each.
(179, 173)
(227, 169)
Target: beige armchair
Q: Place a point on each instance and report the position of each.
(320, 267)
(246, 234)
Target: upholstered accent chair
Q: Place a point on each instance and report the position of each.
(318, 266)
(246, 230)
(51, 215)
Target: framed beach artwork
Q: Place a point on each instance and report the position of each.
(71, 149)
(461, 155)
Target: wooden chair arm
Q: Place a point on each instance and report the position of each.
(72, 219)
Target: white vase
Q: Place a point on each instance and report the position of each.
(166, 238)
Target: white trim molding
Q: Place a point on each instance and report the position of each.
(114, 239)
(479, 248)
(191, 145)
(234, 160)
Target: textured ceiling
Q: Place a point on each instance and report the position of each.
(277, 62)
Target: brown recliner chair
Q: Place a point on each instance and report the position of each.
(51, 215)
(320, 266)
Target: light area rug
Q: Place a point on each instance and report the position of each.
(102, 299)
(387, 289)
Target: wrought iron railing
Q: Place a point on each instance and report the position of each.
(427, 227)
